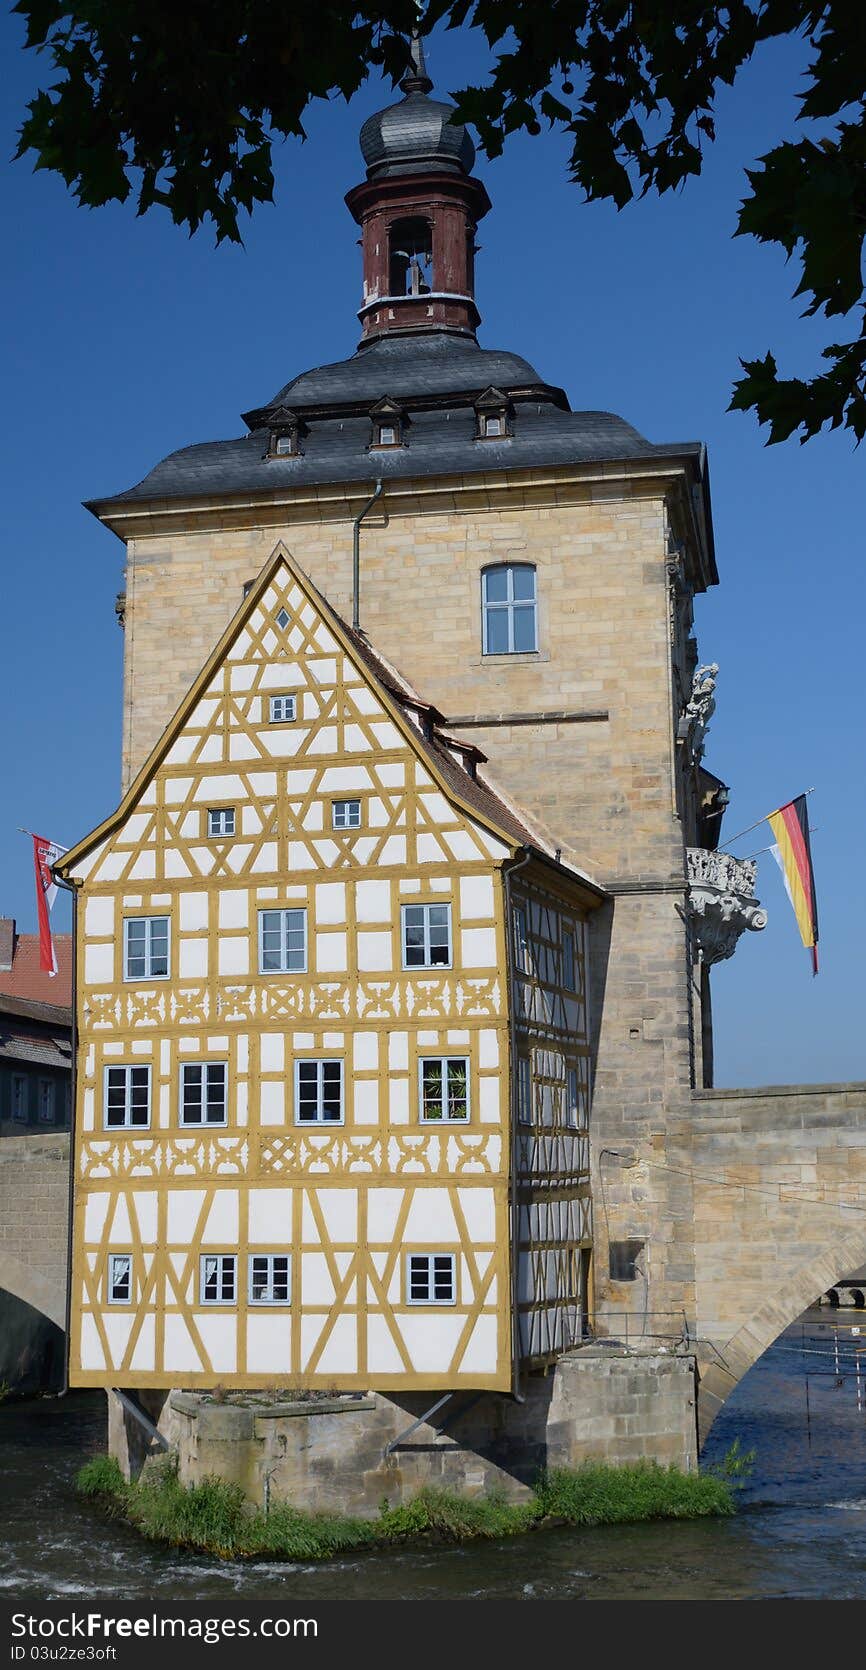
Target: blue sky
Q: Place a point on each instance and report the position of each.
(125, 339)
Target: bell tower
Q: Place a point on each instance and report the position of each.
(418, 211)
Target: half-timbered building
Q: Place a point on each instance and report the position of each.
(334, 1059)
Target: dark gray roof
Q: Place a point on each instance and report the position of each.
(414, 366)
(436, 377)
(415, 136)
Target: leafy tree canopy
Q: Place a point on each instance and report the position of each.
(180, 104)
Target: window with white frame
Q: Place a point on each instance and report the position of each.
(19, 1096)
(520, 938)
(572, 1105)
(282, 941)
(218, 1278)
(524, 1090)
(426, 936)
(319, 1092)
(444, 1087)
(220, 820)
(145, 948)
(270, 1279)
(569, 963)
(47, 1095)
(204, 1093)
(281, 709)
(492, 427)
(346, 814)
(119, 1278)
(127, 1097)
(508, 607)
(431, 1278)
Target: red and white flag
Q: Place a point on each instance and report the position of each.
(46, 853)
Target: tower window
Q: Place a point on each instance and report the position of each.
(508, 607)
(284, 440)
(492, 410)
(389, 423)
(410, 257)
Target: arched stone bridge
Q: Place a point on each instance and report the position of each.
(34, 1181)
(774, 1182)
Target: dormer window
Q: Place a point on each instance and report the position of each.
(492, 412)
(285, 435)
(389, 424)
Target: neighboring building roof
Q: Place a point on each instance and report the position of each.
(46, 1051)
(437, 377)
(25, 979)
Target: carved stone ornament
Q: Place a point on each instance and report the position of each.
(722, 902)
(698, 711)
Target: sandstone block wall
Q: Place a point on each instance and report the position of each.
(347, 1455)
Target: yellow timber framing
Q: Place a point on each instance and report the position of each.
(351, 1262)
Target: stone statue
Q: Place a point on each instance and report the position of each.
(699, 709)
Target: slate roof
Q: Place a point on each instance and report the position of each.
(436, 378)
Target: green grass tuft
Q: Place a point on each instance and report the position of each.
(215, 1516)
(598, 1495)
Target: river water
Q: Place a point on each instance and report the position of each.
(800, 1531)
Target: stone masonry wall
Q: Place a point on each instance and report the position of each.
(602, 789)
(34, 1183)
(599, 1404)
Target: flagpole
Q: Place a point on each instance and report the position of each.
(729, 839)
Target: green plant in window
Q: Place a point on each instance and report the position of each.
(457, 1090)
(433, 1108)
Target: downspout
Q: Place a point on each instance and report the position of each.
(507, 872)
(356, 556)
(70, 887)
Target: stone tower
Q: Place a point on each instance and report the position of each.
(531, 569)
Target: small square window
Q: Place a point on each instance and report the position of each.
(284, 445)
(319, 1092)
(431, 1279)
(283, 619)
(119, 1279)
(127, 1098)
(622, 1260)
(281, 709)
(220, 821)
(493, 426)
(218, 1278)
(203, 1093)
(387, 435)
(346, 814)
(270, 1279)
(282, 941)
(444, 1087)
(426, 936)
(145, 948)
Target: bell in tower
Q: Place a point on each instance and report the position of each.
(418, 211)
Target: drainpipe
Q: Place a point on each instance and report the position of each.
(356, 555)
(71, 887)
(508, 871)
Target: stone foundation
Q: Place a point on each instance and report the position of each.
(347, 1454)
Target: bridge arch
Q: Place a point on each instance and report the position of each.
(45, 1294)
(722, 1366)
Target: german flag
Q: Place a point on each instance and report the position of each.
(793, 854)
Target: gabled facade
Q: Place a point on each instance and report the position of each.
(333, 1060)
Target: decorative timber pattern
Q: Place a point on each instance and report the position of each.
(293, 1151)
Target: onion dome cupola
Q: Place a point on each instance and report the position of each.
(418, 211)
